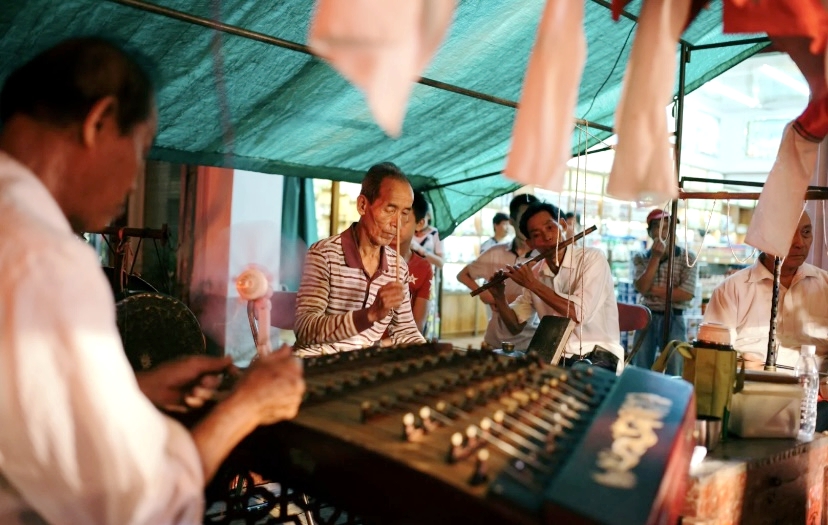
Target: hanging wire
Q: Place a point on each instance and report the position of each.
(730, 244)
(704, 237)
(598, 141)
(578, 273)
(583, 241)
(612, 70)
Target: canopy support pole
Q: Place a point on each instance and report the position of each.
(671, 241)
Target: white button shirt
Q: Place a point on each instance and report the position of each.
(80, 443)
(496, 258)
(743, 301)
(584, 279)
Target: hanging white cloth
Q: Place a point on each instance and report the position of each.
(643, 169)
(541, 139)
(780, 204)
(381, 46)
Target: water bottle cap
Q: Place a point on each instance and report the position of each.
(807, 350)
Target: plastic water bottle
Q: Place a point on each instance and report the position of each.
(806, 371)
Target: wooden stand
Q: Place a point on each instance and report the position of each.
(760, 481)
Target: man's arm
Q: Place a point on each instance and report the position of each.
(524, 276)
(422, 294)
(646, 269)
(270, 391)
(420, 310)
(686, 289)
(472, 271)
(510, 317)
(434, 257)
(313, 324)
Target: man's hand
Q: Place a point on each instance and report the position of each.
(659, 248)
(658, 291)
(389, 297)
(178, 386)
(498, 290)
(272, 388)
(521, 274)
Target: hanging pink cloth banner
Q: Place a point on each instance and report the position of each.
(780, 204)
(643, 169)
(381, 46)
(541, 138)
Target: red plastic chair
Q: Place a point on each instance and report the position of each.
(634, 317)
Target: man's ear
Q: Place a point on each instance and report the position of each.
(362, 204)
(100, 117)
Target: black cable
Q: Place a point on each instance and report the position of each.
(617, 59)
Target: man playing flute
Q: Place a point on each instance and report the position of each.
(573, 282)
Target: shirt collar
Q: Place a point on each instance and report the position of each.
(567, 260)
(758, 272)
(350, 248)
(566, 263)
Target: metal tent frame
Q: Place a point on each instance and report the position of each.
(812, 193)
(685, 52)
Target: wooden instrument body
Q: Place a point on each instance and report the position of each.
(358, 459)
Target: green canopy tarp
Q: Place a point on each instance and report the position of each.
(290, 113)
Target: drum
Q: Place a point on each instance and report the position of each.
(155, 328)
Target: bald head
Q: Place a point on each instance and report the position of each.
(800, 246)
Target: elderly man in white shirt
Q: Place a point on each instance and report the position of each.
(574, 282)
(743, 302)
(81, 441)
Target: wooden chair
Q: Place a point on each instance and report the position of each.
(634, 317)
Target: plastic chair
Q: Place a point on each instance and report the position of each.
(283, 310)
(634, 317)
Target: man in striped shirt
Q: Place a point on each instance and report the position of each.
(351, 291)
(650, 274)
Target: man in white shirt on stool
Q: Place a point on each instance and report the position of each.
(743, 301)
(574, 282)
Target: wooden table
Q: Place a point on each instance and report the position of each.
(757, 481)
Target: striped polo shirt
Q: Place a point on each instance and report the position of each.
(684, 277)
(335, 294)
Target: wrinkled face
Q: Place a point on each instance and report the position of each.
(801, 243)
(107, 173)
(379, 218)
(544, 231)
